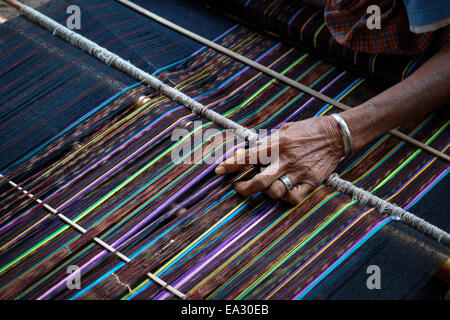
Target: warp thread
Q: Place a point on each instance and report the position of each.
(384, 207)
(114, 60)
(110, 58)
(80, 229)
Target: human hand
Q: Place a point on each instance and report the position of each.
(308, 151)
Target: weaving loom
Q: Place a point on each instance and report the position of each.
(94, 145)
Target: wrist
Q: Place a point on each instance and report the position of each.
(335, 135)
(364, 124)
(349, 149)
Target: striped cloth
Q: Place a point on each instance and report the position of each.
(338, 29)
(110, 170)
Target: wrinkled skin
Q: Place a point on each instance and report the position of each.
(309, 151)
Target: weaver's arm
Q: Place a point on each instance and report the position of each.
(424, 91)
(311, 149)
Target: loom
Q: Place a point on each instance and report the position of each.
(88, 180)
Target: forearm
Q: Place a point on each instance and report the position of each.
(425, 90)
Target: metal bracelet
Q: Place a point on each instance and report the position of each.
(348, 140)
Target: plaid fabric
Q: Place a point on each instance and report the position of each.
(300, 22)
(346, 20)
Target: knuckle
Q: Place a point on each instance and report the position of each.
(276, 193)
(283, 139)
(303, 170)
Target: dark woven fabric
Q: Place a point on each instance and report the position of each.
(112, 171)
(304, 23)
(59, 83)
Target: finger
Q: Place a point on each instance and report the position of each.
(242, 158)
(278, 189)
(261, 181)
(233, 163)
(298, 193)
(230, 168)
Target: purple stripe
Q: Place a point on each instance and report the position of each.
(295, 16)
(413, 177)
(18, 219)
(158, 210)
(405, 208)
(316, 254)
(336, 262)
(311, 100)
(199, 266)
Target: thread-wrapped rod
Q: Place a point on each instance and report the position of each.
(127, 67)
(385, 207)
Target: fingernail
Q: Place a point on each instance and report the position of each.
(220, 170)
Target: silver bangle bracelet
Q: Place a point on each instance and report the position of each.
(348, 141)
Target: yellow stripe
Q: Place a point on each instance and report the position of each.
(250, 243)
(111, 193)
(159, 99)
(319, 253)
(407, 67)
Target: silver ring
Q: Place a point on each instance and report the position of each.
(286, 182)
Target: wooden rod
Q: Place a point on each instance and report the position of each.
(272, 73)
(14, 3)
